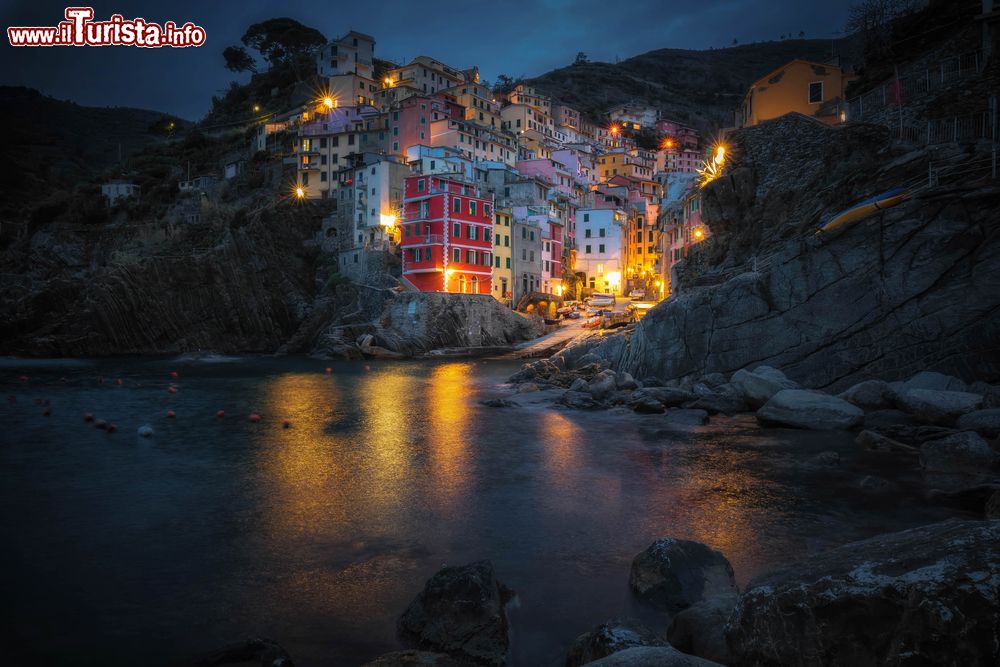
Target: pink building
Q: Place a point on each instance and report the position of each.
(548, 170)
(682, 135)
(410, 121)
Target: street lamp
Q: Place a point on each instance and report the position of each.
(300, 192)
(329, 102)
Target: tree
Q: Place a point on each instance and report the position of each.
(238, 60)
(581, 59)
(504, 84)
(283, 40)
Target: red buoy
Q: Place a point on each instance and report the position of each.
(172, 389)
(88, 417)
(286, 424)
(171, 414)
(112, 428)
(254, 417)
(367, 367)
(120, 383)
(100, 423)
(328, 370)
(173, 374)
(220, 414)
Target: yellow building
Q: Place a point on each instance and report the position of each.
(503, 276)
(810, 88)
(480, 106)
(633, 164)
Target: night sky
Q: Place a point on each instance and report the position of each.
(515, 37)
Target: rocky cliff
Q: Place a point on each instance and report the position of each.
(913, 288)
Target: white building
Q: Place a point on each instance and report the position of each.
(115, 190)
(633, 116)
(599, 242)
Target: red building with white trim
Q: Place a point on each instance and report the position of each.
(447, 235)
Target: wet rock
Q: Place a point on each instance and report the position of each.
(648, 406)
(874, 484)
(759, 385)
(587, 359)
(714, 380)
(877, 442)
(721, 401)
(926, 596)
(686, 416)
(961, 452)
(626, 381)
(989, 392)
(973, 498)
(413, 658)
(934, 381)
(800, 408)
(652, 381)
(578, 400)
(602, 384)
(667, 396)
(607, 638)
(619, 397)
(461, 612)
(935, 406)
(674, 574)
(700, 629)
(256, 650)
(879, 419)
(578, 384)
(652, 656)
(145, 431)
(868, 395)
(918, 434)
(983, 422)
(992, 510)
(499, 403)
(527, 387)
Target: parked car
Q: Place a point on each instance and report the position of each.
(637, 294)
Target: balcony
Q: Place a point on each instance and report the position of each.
(309, 166)
(426, 239)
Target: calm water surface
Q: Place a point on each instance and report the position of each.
(119, 550)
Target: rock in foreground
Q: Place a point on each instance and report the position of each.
(700, 629)
(925, 596)
(674, 574)
(416, 659)
(800, 408)
(461, 612)
(607, 638)
(960, 452)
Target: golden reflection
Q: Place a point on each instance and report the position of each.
(561, 438)
(298, 463)
(450, 421)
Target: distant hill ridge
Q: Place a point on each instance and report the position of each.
(701, 88)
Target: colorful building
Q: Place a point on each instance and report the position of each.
(503, 275)
(446, 235)
(600, 260)
(325, 138)
(803, 86)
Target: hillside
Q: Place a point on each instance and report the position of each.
(701, 88)
(52, 144)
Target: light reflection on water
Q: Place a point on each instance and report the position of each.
(319, 535)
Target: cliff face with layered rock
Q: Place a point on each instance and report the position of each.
(916, 287)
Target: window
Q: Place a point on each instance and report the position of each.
(497, 262)
(531, 254)
(586, 233)
(472, 233)
(420, 185)
(457, 208)
(486, 234)
(472, 207)
(470, 256)
(600, 249)
(815, 92)
(586, 249)
(456, 255)
(531, 235)
(456, 230)
(507, 262)
(600, 232)
(506, 241)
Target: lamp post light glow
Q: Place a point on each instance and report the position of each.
(329, 102)
(387, 220)
(256, 108)
(300, 192)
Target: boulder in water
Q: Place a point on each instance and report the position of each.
(935, 406)
(759, 385)
(674, 574)
(800, 408)
(607, 638)
(962, 452)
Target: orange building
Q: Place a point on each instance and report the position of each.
(810, 88)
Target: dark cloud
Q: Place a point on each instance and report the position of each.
(515, 37)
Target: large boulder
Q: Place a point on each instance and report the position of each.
(759, 385)
(984, 422)
(607, 638)
(666, 396)
(652, 656)
(801, 408)
(578, 400)
(602, 384)
(700, 629)
(686, 416)
(868, 395)
(962, 452)
(935, 381)
(674, 574)
(936, 406)
(461, 611)
(925, 596)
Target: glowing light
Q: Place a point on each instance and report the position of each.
(387, 220)
(256, 108)
(388, 81)
(600, 269)
(698, 234)
(328, 102)
(614, 129)
(614, 278)
(711, 169)
(300, 192)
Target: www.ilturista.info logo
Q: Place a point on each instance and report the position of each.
(79, 29)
